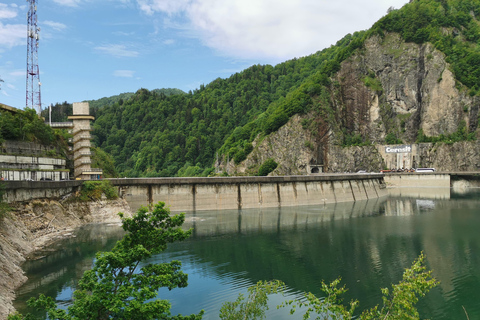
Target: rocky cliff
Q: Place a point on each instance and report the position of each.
(33, 225)
(387, 88)
(398, 87)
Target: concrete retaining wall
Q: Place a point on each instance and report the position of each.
(25, 148)
(192, 194)
(16, 191)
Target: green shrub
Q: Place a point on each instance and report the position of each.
(239, 156)
(372, 82)
(391, 138)
(248, 148)
(268, 166)
(275, 121)
(3, 205)
(355, 140)
(207, 172)
(189, 171)
(232, 151)
(461, 134)
(309, 145)
(296, 102)
(104, 160)
(51, 153)
(93, 190)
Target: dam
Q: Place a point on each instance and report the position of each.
(225, 193)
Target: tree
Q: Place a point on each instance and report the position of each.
(255, 305)
(102, 159)
(268, 166)
(116, 287)
(398, 304)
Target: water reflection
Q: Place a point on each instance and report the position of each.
(207, 223)
(59, 266)
(368, 243)
(420, 192)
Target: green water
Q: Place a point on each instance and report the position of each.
(368, 244)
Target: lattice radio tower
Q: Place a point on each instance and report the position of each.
(33, 74)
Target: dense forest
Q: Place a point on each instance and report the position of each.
(61, 111)
(158, 133)
(155, 135)
(27, 126)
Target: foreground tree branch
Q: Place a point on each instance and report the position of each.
(398, 303)
(116, 288)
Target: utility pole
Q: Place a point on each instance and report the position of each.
(33, 74)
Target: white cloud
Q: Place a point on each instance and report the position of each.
(124, 34)
(272, 28)
(168, 6)
(76, 3)
(7, 12)
(68, 3)
(124, 73)
(117, 50)
(18, 73)
(122, 1)
(169, 42)
(13, 35)
(55, 25)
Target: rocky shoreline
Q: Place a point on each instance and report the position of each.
(31, 226)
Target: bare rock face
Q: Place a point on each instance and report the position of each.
(33, 225)
(288, 146)
(294, 149)
(14, 246)
(460, 156)
(354, 159)
(418, 89)
(413, 89)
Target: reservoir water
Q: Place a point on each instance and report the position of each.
(368, 244)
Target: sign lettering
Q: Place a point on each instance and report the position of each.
(399, 149)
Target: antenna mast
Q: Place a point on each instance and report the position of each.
(33, 74)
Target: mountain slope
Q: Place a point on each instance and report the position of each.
(155, 135)
(414, 76)
(388, 91)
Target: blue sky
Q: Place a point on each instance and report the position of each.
(91, 49)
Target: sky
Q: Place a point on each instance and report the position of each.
(91, 49)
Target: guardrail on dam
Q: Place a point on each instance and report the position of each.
(223, 193)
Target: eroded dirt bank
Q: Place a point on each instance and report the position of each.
(33, 225)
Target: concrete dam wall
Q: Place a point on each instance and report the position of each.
(219, 193)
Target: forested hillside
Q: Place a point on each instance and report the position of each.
(61, 111)
(152, 134)
(155, 135)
